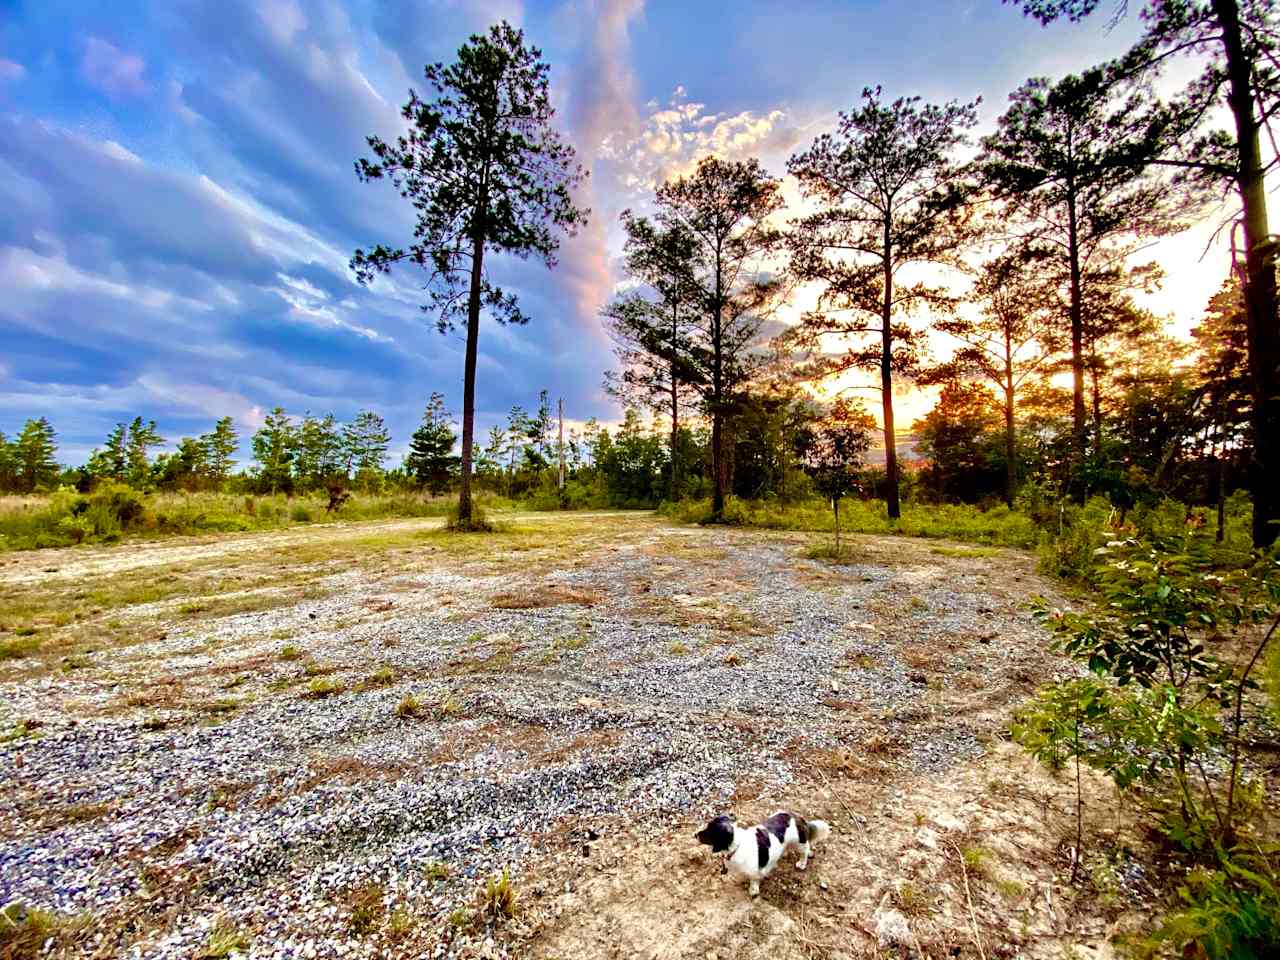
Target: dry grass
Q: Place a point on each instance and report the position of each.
(546, 595)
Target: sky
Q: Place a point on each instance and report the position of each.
(178, 204)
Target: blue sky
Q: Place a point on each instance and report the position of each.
(178, 206)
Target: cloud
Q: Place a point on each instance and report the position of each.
(600, 109)
(11, 70)
(111, 70)
(674, 137)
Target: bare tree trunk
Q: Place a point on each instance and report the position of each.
(1262, 309)
(835, 505)
(469, 379)
(886, 384)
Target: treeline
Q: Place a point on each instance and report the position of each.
(1048, 217)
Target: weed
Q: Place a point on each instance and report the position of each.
(382, 677)
(409, 707)
(460, 918)
(24, 931)
(290, 652)
(501, 899)
(366, 908)
(400, 924)
(23, 646)
(678, 649)
(450, 707)
(965, 552)
(220, 707)
(562, 645)
(20, 731)
(437, 870)
(322, 687)
(912, 900)
(733, 660)
(313, 669)
(223, 940)
(977, 860)
(1012, 889)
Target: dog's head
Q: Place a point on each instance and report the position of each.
(718, 834)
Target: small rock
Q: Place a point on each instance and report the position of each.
(892, 929)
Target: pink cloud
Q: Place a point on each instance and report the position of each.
(111, 70)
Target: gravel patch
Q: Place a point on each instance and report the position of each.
(673, 676)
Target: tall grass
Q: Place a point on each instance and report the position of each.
(998, 526)
(116, 512)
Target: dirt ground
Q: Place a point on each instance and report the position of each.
(326, 740)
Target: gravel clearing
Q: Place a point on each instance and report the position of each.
(214, 776)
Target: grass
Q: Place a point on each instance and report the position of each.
(19, 647)
(825, 550)
(24, 931)
(367, 909)
(501, 899)
(382, 677)
(562, 645)
(410, 707)
(998, 526)
(223, 940)
(912, 900)
(977, 860)
(322, 687)
(437, 871)
(116, 513)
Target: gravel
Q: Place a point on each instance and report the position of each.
(270, 814)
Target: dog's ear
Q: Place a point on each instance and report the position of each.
(718, 834)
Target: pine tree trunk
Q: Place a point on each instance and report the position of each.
(1097, 408)
(1262, 308)
(886, 384)
(1010, 449)
(1077, 343)
(717, 401)
(469, 379)
(835, 505)
(675, 408)
(1010, 437)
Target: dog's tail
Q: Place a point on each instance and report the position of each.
(819, 830)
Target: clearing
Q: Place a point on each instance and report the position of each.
(321, 743)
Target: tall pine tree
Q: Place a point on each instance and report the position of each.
(485, 173)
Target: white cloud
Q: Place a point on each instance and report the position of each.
(673, 138)
(111, 70)
(11, 70)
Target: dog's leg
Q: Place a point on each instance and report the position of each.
(804, 856)
(755, 888)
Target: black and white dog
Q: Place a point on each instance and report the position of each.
(754, 852)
